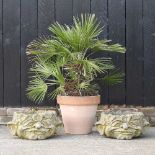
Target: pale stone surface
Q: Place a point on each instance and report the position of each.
(122, 124)
(148, 111)
(10, 111)
(34, 124)
(152, 121)
(3, 112)
(92, 144)
(5, 119)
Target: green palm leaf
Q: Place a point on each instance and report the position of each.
(37, 90)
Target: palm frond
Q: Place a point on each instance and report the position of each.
(40, 46)
(37, 90)
(88, 24)
(78, 37)
(102, 45)
(41, 68)
(92, 67)
(114, 77)
(64, 60)
(59, 90)
(62, 33)
(84, 85)
(57, 74)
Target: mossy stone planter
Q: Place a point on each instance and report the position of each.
(122, 124)
(34, 124)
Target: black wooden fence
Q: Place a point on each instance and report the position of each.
(129, 22)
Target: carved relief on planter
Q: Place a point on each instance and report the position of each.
(34, 124)
(121, 124)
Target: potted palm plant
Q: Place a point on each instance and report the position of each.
(65, 60)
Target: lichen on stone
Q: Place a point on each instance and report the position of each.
(121, 124)
(34, 124)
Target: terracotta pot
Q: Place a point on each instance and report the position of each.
(78, 113)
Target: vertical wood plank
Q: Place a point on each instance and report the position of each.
(11, 27)
(1, 55)
(64, 11)
(46, 16)
(29, 32)
(22, 26)
(81, 7)
(116, 14)
(134, 54)
(99, 7)
(149, 52)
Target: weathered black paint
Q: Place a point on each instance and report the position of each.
(128, 22)
(11, 52)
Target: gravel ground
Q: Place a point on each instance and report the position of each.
(92, 144)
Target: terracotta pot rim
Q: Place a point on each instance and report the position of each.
(79, 96)
(78, 100)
